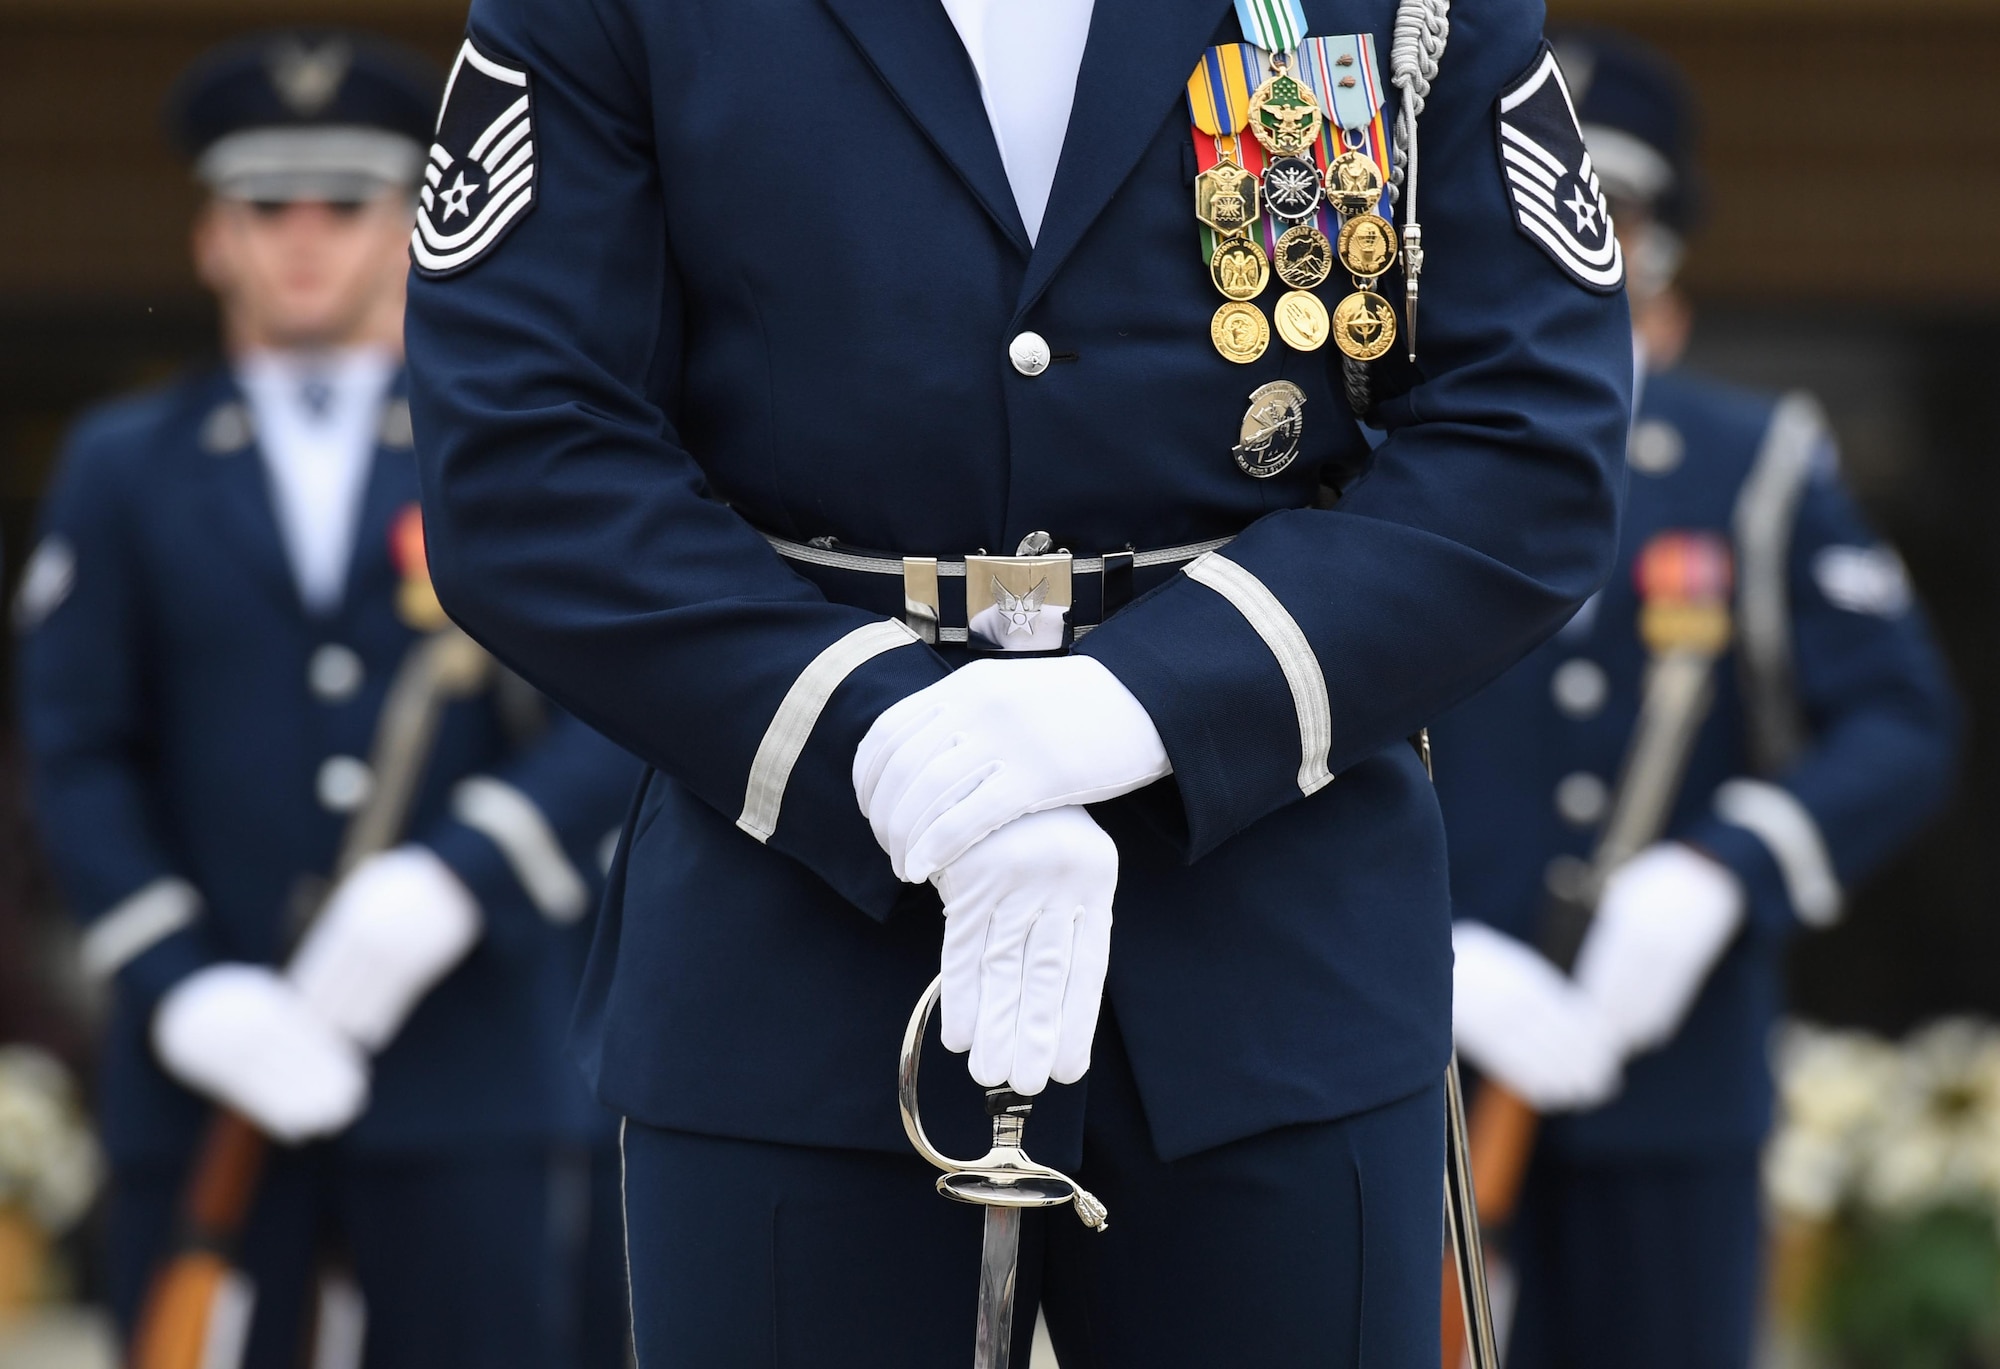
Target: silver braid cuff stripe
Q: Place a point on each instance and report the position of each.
(791, 726)
(1281, 633)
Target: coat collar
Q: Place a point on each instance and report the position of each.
(1135, 67)
(246, 512)
(1135, 70)
(917, 53)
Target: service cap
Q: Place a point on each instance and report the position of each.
(1639, 121)
(305, 114)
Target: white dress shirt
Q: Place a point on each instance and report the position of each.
(318, 417)
(1027, 53)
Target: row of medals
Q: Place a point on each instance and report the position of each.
(1286, 118)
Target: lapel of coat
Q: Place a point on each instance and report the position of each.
(391, 488)
(916, 51)
(1134, 74)
(246, 514)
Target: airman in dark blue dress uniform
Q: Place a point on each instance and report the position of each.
(1828, 743)
(764, 399)
(229, 575)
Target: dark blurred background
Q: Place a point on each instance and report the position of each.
(1853, 160)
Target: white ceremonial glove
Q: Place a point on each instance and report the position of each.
(242, 1035)
(395, 926)
(1522, 1023)
(1027, 940)
(994, 741)
(1665, 918)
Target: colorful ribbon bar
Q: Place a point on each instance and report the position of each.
(1273, 25)
(1343, 73)
(1219, 90)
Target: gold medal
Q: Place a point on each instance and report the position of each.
(1364, 326)
(1367, 246)
(1305, 257)
(1285, 117)
(1227, 198)
(1302, 321)
(1239, 268)
(1354, 183)
(1240, 332)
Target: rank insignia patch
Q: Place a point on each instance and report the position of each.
(480, 180)
(1558, 204)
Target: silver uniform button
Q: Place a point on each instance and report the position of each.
(344, 783)
(1580, 688)
(1567, 877)
(334, 673)
(1030, 354)
(1581, 798)
(1655, 447)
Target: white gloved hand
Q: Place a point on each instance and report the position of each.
(1665, 918)
(395, 926)
(242, 1035)
(1027, 940)
(994, 741)
(1522, 1023)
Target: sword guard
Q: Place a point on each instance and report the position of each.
(1005, 1176)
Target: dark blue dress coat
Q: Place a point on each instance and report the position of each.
(767, 283)
(181, 707)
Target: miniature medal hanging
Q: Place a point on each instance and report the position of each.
(1344, 72)
(1230, 204)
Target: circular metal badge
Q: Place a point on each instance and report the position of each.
(1367, 246)
(1240, 332)
(1272, 425)
(1292, 187)
(1302, 321)
(1305, 257)
(1364, 326)
(1239, 268)
(1285, 116)
(1354, 183)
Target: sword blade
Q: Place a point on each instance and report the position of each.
(999, 1262)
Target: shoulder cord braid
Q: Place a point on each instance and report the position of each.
(1422, 26)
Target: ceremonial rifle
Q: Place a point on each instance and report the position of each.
(198, 1309)
(1684, 579)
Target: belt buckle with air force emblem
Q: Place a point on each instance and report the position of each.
(1020, 604)
(1272, 428)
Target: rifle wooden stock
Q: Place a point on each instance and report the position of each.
(186, 1306)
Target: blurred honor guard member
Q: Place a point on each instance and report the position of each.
(230, 574)
(1827, 741)
(794, 385)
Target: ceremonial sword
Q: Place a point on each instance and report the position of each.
(1005, 1183)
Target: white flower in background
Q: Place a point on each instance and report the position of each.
(1834, 1089)
(49, 1163)
(1940, 1140)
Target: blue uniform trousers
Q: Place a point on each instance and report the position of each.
(453, 1252)
(1641, 1263)
(1312, 1244)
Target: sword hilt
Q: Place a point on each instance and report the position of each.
(1004, 1176)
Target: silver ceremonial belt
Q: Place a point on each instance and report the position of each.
(1004, 1182)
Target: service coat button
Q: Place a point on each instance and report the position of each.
(1030, 354)
(1580, 688)
(334, 673)
(344, 783)
(1581, 798)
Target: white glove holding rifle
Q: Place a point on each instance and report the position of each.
(399, 923)
(1666, 917)
(243, 1036)
(1517, 1019)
